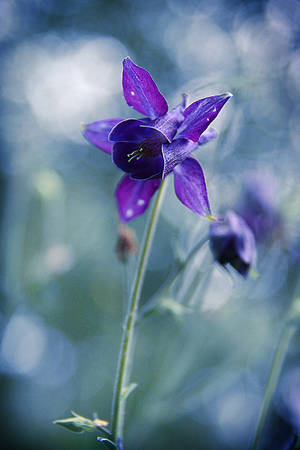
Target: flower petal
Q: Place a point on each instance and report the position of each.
(133, 130)
(97, 133)
(232, 242)
(200, 114)
(175, 153)
(190, 186)
(207, 136)
(245, 241)
(133, 196)
(141, 92)
(143, 168)
(169, 123)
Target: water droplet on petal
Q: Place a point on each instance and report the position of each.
(132, 93)
(215, 109)
(129, 212)
(207, 119)
(140, 202)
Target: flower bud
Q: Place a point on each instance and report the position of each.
(232, 242)
(127, 243)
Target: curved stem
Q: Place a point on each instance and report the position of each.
(285, 338)
(126, 351)
(190, 256)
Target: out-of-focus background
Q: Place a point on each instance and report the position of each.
(200, 368)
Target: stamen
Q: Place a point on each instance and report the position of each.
(136, 154)
(149, 148)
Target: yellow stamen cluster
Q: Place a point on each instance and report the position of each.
(136, 154)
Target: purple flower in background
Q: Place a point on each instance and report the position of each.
(232, 242)
(150, 148)
(259, 208)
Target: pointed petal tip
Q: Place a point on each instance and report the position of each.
(126, 60)
(200, 114)
(254, 274)
(190, 187)
(97, 133)
(141, 92)
(185, 99)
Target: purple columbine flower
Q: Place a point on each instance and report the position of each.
(232, 242)
(150, 148)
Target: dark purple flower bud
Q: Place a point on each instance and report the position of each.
(279, 434)
(232, 242)
(152, 147)
(259, 208)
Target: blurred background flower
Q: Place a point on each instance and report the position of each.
(232, 243)
(200, 379)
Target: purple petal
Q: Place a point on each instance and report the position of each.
(141, 92)
(190, 186)
(133, 196)
(207, 136)
(200, 114)
(175, 153)
(169, 123)
(133, 130)
(232, 242)
(143, 168)
(97, 133)
(245, 242)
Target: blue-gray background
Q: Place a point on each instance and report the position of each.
(200, 375)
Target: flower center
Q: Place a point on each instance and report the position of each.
(149, 148)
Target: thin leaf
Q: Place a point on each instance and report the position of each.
(78, 423)
(128, 389)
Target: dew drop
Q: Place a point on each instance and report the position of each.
(140, 202)
(207, 119)
(129, 212)
(215, 109)
(132, 93)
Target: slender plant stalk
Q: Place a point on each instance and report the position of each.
(126, 351)
(285, 338)
(182, 266)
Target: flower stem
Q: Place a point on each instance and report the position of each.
(126, 351)
(285, 338)
(182, 266)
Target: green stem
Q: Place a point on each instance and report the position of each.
(190, 256)
(126, 351)
(285, 338)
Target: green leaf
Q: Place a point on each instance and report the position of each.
(69, 424)
(294, 314)
(128, 389)
(78, 423)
